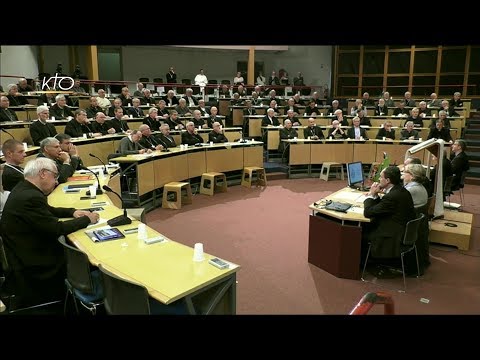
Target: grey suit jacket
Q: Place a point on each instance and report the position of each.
(418, 192)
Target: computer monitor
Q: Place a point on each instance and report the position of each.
(355, 174)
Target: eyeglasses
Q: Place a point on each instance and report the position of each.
(55, 174)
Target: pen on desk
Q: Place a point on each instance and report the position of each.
(99, 203)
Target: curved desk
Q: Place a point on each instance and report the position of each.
(165, 268)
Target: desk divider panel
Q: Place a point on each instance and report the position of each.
(223, 160)
(300, 154)
(366, 153)
(146, 173)
(197, 164)
(99, 148)
(334, 152)
(171, 168)
(253, 156)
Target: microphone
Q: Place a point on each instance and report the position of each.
(5, 131)
(99, 191)
(121, 219)
(104, 166)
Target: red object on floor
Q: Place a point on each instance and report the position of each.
(370, 299)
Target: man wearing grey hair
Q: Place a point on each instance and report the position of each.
(30, 228)
(5, 113)
(50, 148)
(60, 110)
(40, 128)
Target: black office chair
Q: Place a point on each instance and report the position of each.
(186, 82)
(447, 188)
(408, 244)
(226, 82)
(144, 80)
(83, 282)
(9, 297)
(158, 80)
(461, 186)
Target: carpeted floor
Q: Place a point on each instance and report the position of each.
(266, 232)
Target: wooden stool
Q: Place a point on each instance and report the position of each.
(212, 179)
(325, 172)
(261, 176)
(176, 187)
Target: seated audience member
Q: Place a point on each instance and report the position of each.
(356, 132)
(174, 122)
(190, 99)
(273, 79)
(313, 131)
(201, 79)
(40, 128)
(334, 107)
(381, 109)
(66, 145)
(423, 110)
(48, 99)
(117, 104)
(166, 139)
(224, 91)
(6, 114)
(388, 100)
(216, 135)
(260, 79)
(214, 117)
(249, 110)
(162, 111)
(170, 98)
(450, 110)
(367, 101)
(291, 116)
(340, 118)
(390, 215)
(30, 228)
(191, 136)
(77, 89)
(202, 108)
(298, 80)
(103, 101)
(60, 110)
(238, 79)
(14, 154)
(412, 160)
(413, 180)
(400, 110)
(286, 133)
(66, 165)
(241, 91)
(101, 125)
(256, 100)
(148, 140)
(171, 76)
(135, 111)
(442, 115)
(198, 120)
(409, 133)
(311, 109)
(456, 101)
(23, 86)
(270, 119)
(386, 131)
(80, 125)
(364, 120)
(318, 100)
(130, 144)
(119, 122)
(336, 132)
(460, 162)
(236, 101)
(439, 132)
(415, 118)
(409, 102)
(15, 98)
(139, 91)
(93, 109)
(152, 120)
(434, 101)
(182, 108)
(125, 97)
(291, 106)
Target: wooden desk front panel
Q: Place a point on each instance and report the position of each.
(114, 183)
(22, 115)
(146, 173)
(197, 163)
(172, 168)
(366, 153)
(300, 154)
(233, 135)
(224, 160)
(273, 138)
(99, 148)
(396, 152)
(253, 156)
(255, 127)
(334, 152)
(223, 105)
(21, 134)
(237, 116)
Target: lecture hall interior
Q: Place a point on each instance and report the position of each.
(220, 179)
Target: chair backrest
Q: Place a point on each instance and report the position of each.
(447, 186)
(411, 230)
(142, 80)
(158, 80)
(226, 82)
(123, 297)
(78, 268)
(186, 81)
(212, 82)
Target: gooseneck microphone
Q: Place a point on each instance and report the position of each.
(5, 131)
(99, 190)
(104, 166)
(121, 219)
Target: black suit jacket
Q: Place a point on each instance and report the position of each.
(216, 138)
(316, 130)
(351, 133)
(7, 115)
(382, 132)
(389, 215)
(171, 78)
(59, 113)
(191, 139)
(273, 81)
(460, 164)
(11, 177)
(167, 141)
(266, 121)
(40, 131)
(30, 228)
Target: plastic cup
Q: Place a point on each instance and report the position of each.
(211, 143)
(419, 139)
(384, 138)
(93, 191)
(131, 116)
(53, 118)
(142, 231)
(45, 104)
(84, 136)
(198, 252)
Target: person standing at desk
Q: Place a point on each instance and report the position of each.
(389, 215)
(171, 76)
(30, 229)
(12, 172)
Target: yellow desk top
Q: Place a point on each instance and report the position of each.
(345, 195)
(165, 268)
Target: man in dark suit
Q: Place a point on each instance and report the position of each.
(5, 113)
(30, 228)
(356, 132)
(313, 131)
(12, 172)
(389, 215)
(216, 135)
(171, 76)
(166, 139)
(460, 162)
(191, 137)
(273, 79)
